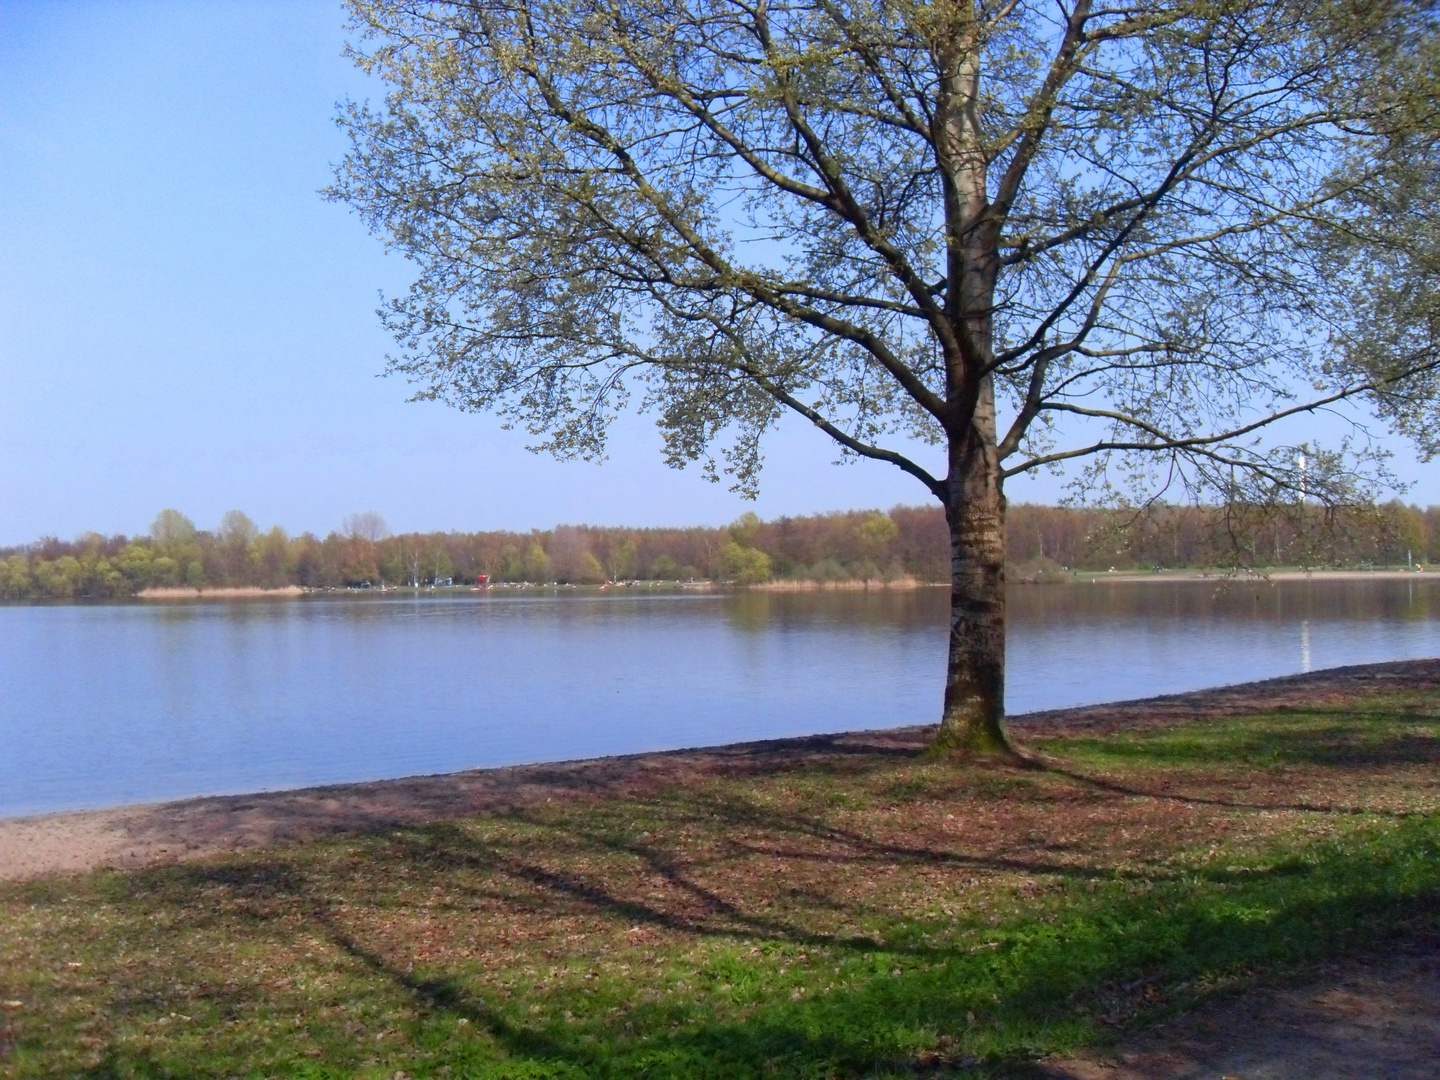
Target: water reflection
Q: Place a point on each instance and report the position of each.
(758, 612)
(1279, 601)
(108, 704)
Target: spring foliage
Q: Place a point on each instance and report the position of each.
(908, 543)
(1146, 232)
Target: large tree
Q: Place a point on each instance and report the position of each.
(1164, 231)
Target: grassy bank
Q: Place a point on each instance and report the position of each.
(862, 915)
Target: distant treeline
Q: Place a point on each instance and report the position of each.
(906, 543)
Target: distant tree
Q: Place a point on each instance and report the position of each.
(166, 572)
(1432, 532)
(571, 559)
(136, 562)
(410, 554)
(620, 560)
(1406, 526)
(512, 567)
(228, 559)
(304, 556)
(171, 527)
(365, 525)
(441, 565)
(236, 529)
(876, 532)
(101, 579)
(744, 529)
(90, 542)
(592, 572)
(59, 579)
(743, 565)
(271, 554)
(537, 564)
(18, 582)
(664, 568)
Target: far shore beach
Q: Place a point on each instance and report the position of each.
(1255, 576)
(1067, 577)
(220, 593)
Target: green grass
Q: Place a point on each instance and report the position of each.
(1341, 738)
(872, 917)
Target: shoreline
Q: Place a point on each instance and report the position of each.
(903, 584)
(224, 592)
(784, 585)
(1248, 577)
(149, 834)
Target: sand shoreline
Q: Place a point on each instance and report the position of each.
(1255, 578)
(903, 584)
(149, 834)
(226, 592)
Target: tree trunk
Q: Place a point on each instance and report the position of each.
(974, 712)
(972, 721)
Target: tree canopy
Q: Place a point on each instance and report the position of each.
(1201, 215)
(1139, 237)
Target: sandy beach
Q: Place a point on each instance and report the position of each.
(786, 585)
(227, 592)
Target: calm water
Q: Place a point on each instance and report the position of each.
(101, 705)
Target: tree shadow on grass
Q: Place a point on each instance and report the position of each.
(905, 1003)
(1334, 740)
(743, 829)
(1042, 986)
(223, 822)
(1329, 738)
(1114, 787)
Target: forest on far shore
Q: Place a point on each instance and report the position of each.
(908, 543)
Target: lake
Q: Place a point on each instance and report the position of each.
(108, 704)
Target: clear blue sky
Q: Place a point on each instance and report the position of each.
(185, 322)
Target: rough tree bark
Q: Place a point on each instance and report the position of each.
(974, 705)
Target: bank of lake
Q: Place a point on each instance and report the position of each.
(837, 906)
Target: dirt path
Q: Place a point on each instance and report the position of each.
(136, 836)
(1377, 1018)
